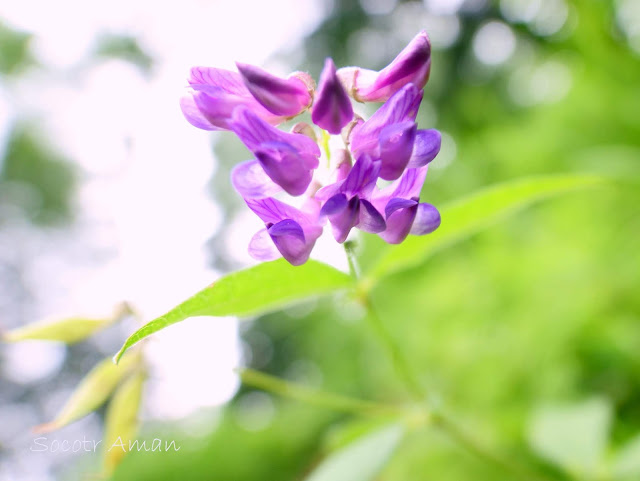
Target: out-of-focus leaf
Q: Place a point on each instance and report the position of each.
(471, 214)
(14, 49)
(66, 330)
(121, 422)
(572, 436)
(361, 460)
(250, 291)
(626, 464)
(92, 391)
(126, 48)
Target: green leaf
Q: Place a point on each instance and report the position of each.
(256, 290)
(469, 215)
(66, 330)
(121, 421)
(572, 436)
(626, 464)
(360, 460)
(92, 391)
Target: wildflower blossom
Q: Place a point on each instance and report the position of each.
(386, 147)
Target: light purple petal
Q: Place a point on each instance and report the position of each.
(400, 218)
(253, 131)
(402, 106)
(408, 186)
(370, 220)
(250, 180)
(287, 97)
(286, 167)
(427, 220)
(226, 80)
(345, 220)
(272, 211)
(193, 115)
(332, 108)
(334, 205)
(396, 144)
(362, 177)
(425, 148)
(290, 241)
(412, 65)
(262, 248)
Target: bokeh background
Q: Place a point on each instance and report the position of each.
(108, 194)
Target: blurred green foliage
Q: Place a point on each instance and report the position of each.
(14, 50)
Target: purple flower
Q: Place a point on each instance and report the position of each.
(287, 97)
(347, 203)
(332, 108)
(287, 158)
(404, 214)
(291, 231)
(412, 65)
(216, 93)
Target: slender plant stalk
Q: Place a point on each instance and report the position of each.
(408, 375)
(316, 397)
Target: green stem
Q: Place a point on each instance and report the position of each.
(400, 363)
(316, 397)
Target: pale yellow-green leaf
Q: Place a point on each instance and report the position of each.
(121, 423)
(93, 390)
(68, 330)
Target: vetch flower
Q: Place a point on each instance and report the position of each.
(412, 65)
(287, 97)
(332, 108)
(386, 147)
(404, 214)
(216, 93)
(293, 232)
(287, 158)
(347, 203)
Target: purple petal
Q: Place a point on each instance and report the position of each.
(253, 131)
(226, 80)
(332, 108)
(193, 115)
(250, 180)
(370, 220)
(398, 203)
(396, 145)
(345, 220)
(401, 107)
(272, 211)
(287, 97)
(400, 218)
(427, 220)
(262, 248)
(362, 177)
(287, 227)
(426, 147)
(408, 186)
(334, 205)
(289, 239)
(412, 65)
(287, 168)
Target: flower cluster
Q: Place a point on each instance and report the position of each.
(286, 165)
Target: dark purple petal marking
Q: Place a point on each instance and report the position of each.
(345, 220)
(426, 147)
(427, 220)
(370, 220)
(396, 145)
(287, 97)
(334, 205)
(287, 227)
(250, 180)
(332, 108)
